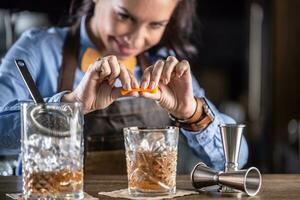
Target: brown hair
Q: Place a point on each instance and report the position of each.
(178, 33)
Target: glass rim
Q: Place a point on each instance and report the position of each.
(146, 129)
(232, 125)
(79, 104)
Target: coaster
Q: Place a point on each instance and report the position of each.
(123, 193)
(19, 196)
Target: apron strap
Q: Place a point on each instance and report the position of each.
(69, 58)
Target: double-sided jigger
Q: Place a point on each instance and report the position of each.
(247, 180)
(231, 138)
(232, 180)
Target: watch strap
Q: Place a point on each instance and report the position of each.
(202, 117)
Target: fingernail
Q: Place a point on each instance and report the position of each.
(160, 62)
(143, 85)
(126, 86)
(152, 85)
(129, 86)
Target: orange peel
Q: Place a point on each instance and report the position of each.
(124, 92)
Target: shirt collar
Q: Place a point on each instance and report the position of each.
(84, 37)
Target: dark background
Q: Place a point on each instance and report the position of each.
(223, 68)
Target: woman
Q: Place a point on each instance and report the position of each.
(114, 45)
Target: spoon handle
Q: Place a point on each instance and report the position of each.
(34, 92)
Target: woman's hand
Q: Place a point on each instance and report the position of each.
(96, 89)
(174, 80)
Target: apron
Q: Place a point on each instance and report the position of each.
(103, 129)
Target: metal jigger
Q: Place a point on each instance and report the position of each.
(231, 137)
(248, 180)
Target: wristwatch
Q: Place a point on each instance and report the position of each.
(201, 118)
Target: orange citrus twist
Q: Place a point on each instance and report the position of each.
(124, 92)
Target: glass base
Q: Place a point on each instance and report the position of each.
(150, 193)
(61, 196)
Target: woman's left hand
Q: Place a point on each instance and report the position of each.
(174, 81)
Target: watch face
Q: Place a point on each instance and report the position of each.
(207, 109)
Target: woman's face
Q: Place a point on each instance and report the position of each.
(128, 27)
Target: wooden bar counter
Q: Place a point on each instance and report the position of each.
(274, 186)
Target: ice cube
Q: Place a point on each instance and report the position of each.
(34, 140)
(154, 141)
(145, 146)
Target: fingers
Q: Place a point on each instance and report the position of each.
(171, 62)
(145, 80)
(104, 70)
(125, 78)
(134, 83)
(156, 74)
(154, 94)
(151, 75)
(108, 68)
(115, 69)
(181, 68)
(163, 71)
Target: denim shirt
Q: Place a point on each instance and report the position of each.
(41, 49)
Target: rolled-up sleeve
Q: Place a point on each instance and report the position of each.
(207, 144)
(29, 48)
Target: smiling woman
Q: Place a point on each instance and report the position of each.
(124, 16)
(113, 46)
(128, 29)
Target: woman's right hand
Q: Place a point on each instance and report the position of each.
(96, 89)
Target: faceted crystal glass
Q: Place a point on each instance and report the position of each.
(52, 150)
(151, 156)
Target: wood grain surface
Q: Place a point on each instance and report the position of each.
(274, 186)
